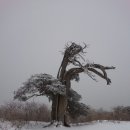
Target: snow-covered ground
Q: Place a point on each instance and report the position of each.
(98, 125)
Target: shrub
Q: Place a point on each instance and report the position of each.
(29, 111)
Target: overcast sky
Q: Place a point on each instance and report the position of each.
(33, 32)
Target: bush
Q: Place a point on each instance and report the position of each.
(119, 113)
(29, 111)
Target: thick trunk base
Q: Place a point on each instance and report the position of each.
(57, 124)
(58, 113)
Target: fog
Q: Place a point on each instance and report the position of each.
(33, 33)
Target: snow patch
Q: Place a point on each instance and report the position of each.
(96, 125)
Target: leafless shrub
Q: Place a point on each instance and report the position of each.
(29, 111)
(119, 113)
(19, 113)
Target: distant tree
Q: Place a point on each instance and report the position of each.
(122, 113)
(64, 99)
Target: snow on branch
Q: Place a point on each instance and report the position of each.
(88, 68)
(74, 54)
(40, 84)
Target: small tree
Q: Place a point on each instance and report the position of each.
(64, 99)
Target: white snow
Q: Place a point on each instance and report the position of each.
(98, 125)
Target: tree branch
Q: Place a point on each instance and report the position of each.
(36, 95)
(101, 75)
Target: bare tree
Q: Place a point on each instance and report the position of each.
(64, 99)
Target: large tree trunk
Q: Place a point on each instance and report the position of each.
(62, 104)
(54, 108)
(59, 102)
(58, 113)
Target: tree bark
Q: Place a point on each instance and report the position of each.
(62, 104)
(59, 103)
(54, 109)
(58, 112)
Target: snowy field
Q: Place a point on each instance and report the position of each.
(99, 125)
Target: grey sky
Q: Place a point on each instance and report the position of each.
(33, 32)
